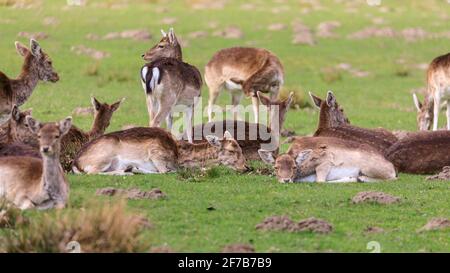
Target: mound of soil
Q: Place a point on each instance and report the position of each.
(375, 197)
(444, 175)
(326, 29)
(93, 53)
(284, 223)
(83, 111)
(238, 248)
(436, 224)
(33, 35)
(302, 34)
(231, 32)
(133, 193)
(133, 34)
(373, 230)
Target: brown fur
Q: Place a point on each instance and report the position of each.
(6, 99)
(421, 152)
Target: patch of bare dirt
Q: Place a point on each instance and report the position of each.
(33, 35)
(370, 32)
(93, 53)
(207, 4)
(238, 248)
(280, 9)
(230, 32)
(134, 34)
(50, 21)
(284, 223)
(169, 20)
(375, 197)
(276, 27)
(443, 175)
(302, 34)
(133, 193)
(198, 34)
(373, 229)
(83, 111)
(436, 224)
(353, 71)
(326, 29)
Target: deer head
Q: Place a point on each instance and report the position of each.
(103, 113)
(331, 114)
(49, 134)
(425, 113)
(284, 165)
(230, 153)
(168, 47)
(37, 61)
(19, 127)
(277, 108)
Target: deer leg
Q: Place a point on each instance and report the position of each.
(322, 172)
(162, 114)
(150, 108)
(235, 100)
(255, 103)
(213, 95)
(448, 114)
(169, 121)
(188, 118)
(437, 101)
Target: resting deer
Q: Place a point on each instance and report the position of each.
(250, 136)
(421, 152)
(30, 182)
(243, 70)
(438, 91)
(325, 159)
(333, 123)
(153, 150)
(168, 82)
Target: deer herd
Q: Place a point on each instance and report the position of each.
(35, 156)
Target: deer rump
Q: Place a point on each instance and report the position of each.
(152, 73)
(425, 152)
(250, 136)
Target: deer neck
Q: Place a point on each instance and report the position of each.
(276, 124)
(198, 155)
(6, 133)
(53, 181)
(98, 128)
(25, 83)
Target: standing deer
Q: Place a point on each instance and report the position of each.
(243, 70)
(168, 82)
(154, 150)
(251, 136)
(333, 123)
(327, 159)
(30, 182)
(438, 90)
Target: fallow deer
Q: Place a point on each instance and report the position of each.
(153, 150)
(333, 123)
(251, 136)
(29, 182)
(326, 159)
(423, 152)
(243, 70)
(168, 82)
(438, 91)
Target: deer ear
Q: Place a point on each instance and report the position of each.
(331, 99)
(227, 135)
(116, 105)
(33, 124)
(15, 113)
(65, 125)
(289, 100)
(316, 100)
(21, 49)
(163, 33)
(263, 99)
(28, 112)
(172, 38)
(266, 156)
(35, 48)
(302, 156)
(95, 103)
(213, 140)
(417, 103)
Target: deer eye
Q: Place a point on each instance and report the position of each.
(57, 136)
(50, 62)
(160, 46)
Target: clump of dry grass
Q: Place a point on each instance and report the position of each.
(10, 217)
(98, 228)
(300, 99)
(93, 69)
(330, 74)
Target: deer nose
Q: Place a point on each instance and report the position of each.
(45, 149)
(285, 180)
(143, 55)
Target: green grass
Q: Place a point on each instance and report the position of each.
(183, 221)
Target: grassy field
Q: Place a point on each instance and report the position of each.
(182, 221)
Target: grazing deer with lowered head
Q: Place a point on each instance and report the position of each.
(243, 70)
(251, 136)
(168, 82)
(425, 152)
(30, 182)
(333, 123)
(153, 150)
(325, 159)
(438, 90)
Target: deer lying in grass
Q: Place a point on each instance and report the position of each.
(168, 82)
(326, 159)
(333, 123)
(250, 136)
(154, 150)
(243, 70)
(438, 90)
(30, 182)
(421, 152)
